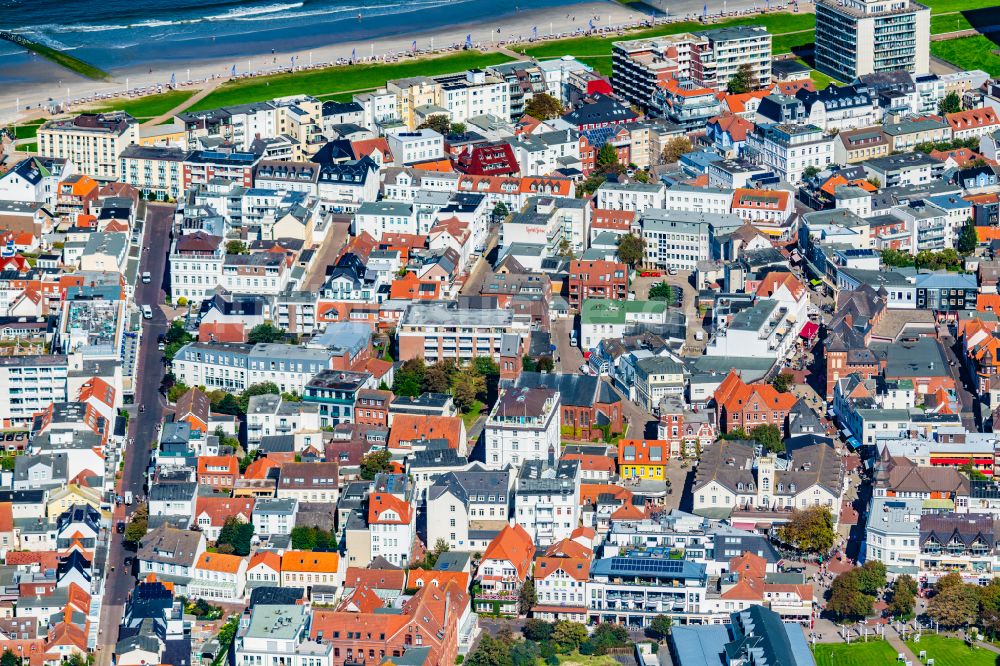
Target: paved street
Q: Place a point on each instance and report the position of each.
(970, 407)
(142, 425)
(683, 281)
(570, 358)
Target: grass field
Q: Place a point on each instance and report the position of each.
(28, 147)
(777, 23)
(941, 23)
(945, 6)
(947, 651)
(969, 53)
(28, 130)
(601, 63)
(145, 108)
(857, 654)
(788, 43)
(325, 83)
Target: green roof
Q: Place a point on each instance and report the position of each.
(605, 311)
(939, 504)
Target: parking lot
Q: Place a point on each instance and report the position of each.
(682, 280)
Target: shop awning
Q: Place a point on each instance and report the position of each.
(809, 331)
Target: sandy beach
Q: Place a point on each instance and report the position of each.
(24, 101)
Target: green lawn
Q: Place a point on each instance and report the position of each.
(27, 130)
(942, 23)
(856, 654)
(777, 23)
(969, 53)
(788, 43)
(28, 147)
(577, 659)
(601, 63)
(325, 82)
(820, 79)
(947, 651)
(473, 414)
(945, 6)
(148, 107)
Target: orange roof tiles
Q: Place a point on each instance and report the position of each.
(513, 545)
(592, 463)
(589, 492)
(733, 394)
(973, 118)
(410, 427)
(363, 599)
(988, 303)
(6, 517)
(442, 166)
(577, 568)
(259, 468)
(376, 579)
(386, 509)
(220, 562)
(736, 126)
(830, 186)
(422, 578)
(410, 287)
(987, 234)
(218, 509)
(267, 558)
(219, 465)
(300, 560)
(745, 197)
(643, 449)
(963, 157)
(772, 282)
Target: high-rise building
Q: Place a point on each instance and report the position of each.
(856, 37)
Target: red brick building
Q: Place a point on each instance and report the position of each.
(597, 279)
(491, 159)
(219, 472)
(372, 407)
(430, 619)
(747, 406)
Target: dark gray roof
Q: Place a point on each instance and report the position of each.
(473, 482)
(574, 390)
(172, 492)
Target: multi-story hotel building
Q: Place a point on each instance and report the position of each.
(857, 37)
(91, 141)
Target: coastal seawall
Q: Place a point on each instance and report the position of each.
(61, 58)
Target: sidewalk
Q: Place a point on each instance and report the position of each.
(899, 646)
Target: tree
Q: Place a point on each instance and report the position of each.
(968, 240)
(175, 392)
(847, 601)
(871, 577)
(641, 176)
(313, 538)
(951, 103)
(488, 368)
(236, 247)
(661, 292)
(528, 364)
(409, 379)
(659, 628)
(500, 211)
(811, 171)
(466, 388)
(904, 590)
(609, 635)
(489, 652)
(543, 107)
(537, 630)
(971, 472)
(955, 605)
(569, 635)
(525, 653)
(137, 526)
(768, 435)
(264, 388)
(527, 599)
(265, 332)
(875, 181)
(809, 530)
(437, 377)
(896, 258)
(376, 462)
(9, 659)
(676, 148)
(545, 364)
(458, 128)
(236, 534)
(743, 81)
(607, 157)
(565, 248)
(439, 123)
(783, 382)
(631, 249)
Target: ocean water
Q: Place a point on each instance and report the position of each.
(121, 33)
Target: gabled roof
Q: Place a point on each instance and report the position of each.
(300, 560)
(219, 562)
(387, 509)
(513, 545)
(375, 579)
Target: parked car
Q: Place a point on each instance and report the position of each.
(146, 277)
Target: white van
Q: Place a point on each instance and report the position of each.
(147, 312)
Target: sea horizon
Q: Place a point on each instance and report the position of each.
(165, 32)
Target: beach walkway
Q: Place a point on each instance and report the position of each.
(186, 104)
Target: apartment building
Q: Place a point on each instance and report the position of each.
(597, 279)
(858, 37)
(459, 96)
(680, 239)
(708, 58)
(156, 171)
(524, 425)
(234, 366)
(547, 501)
(601, 319)
(788, 149)
(31, 384)
(202, 166)
(195, 264)
(90, 141)
(634, 197)
(269, 415)
(438, 330)
(473, 506)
